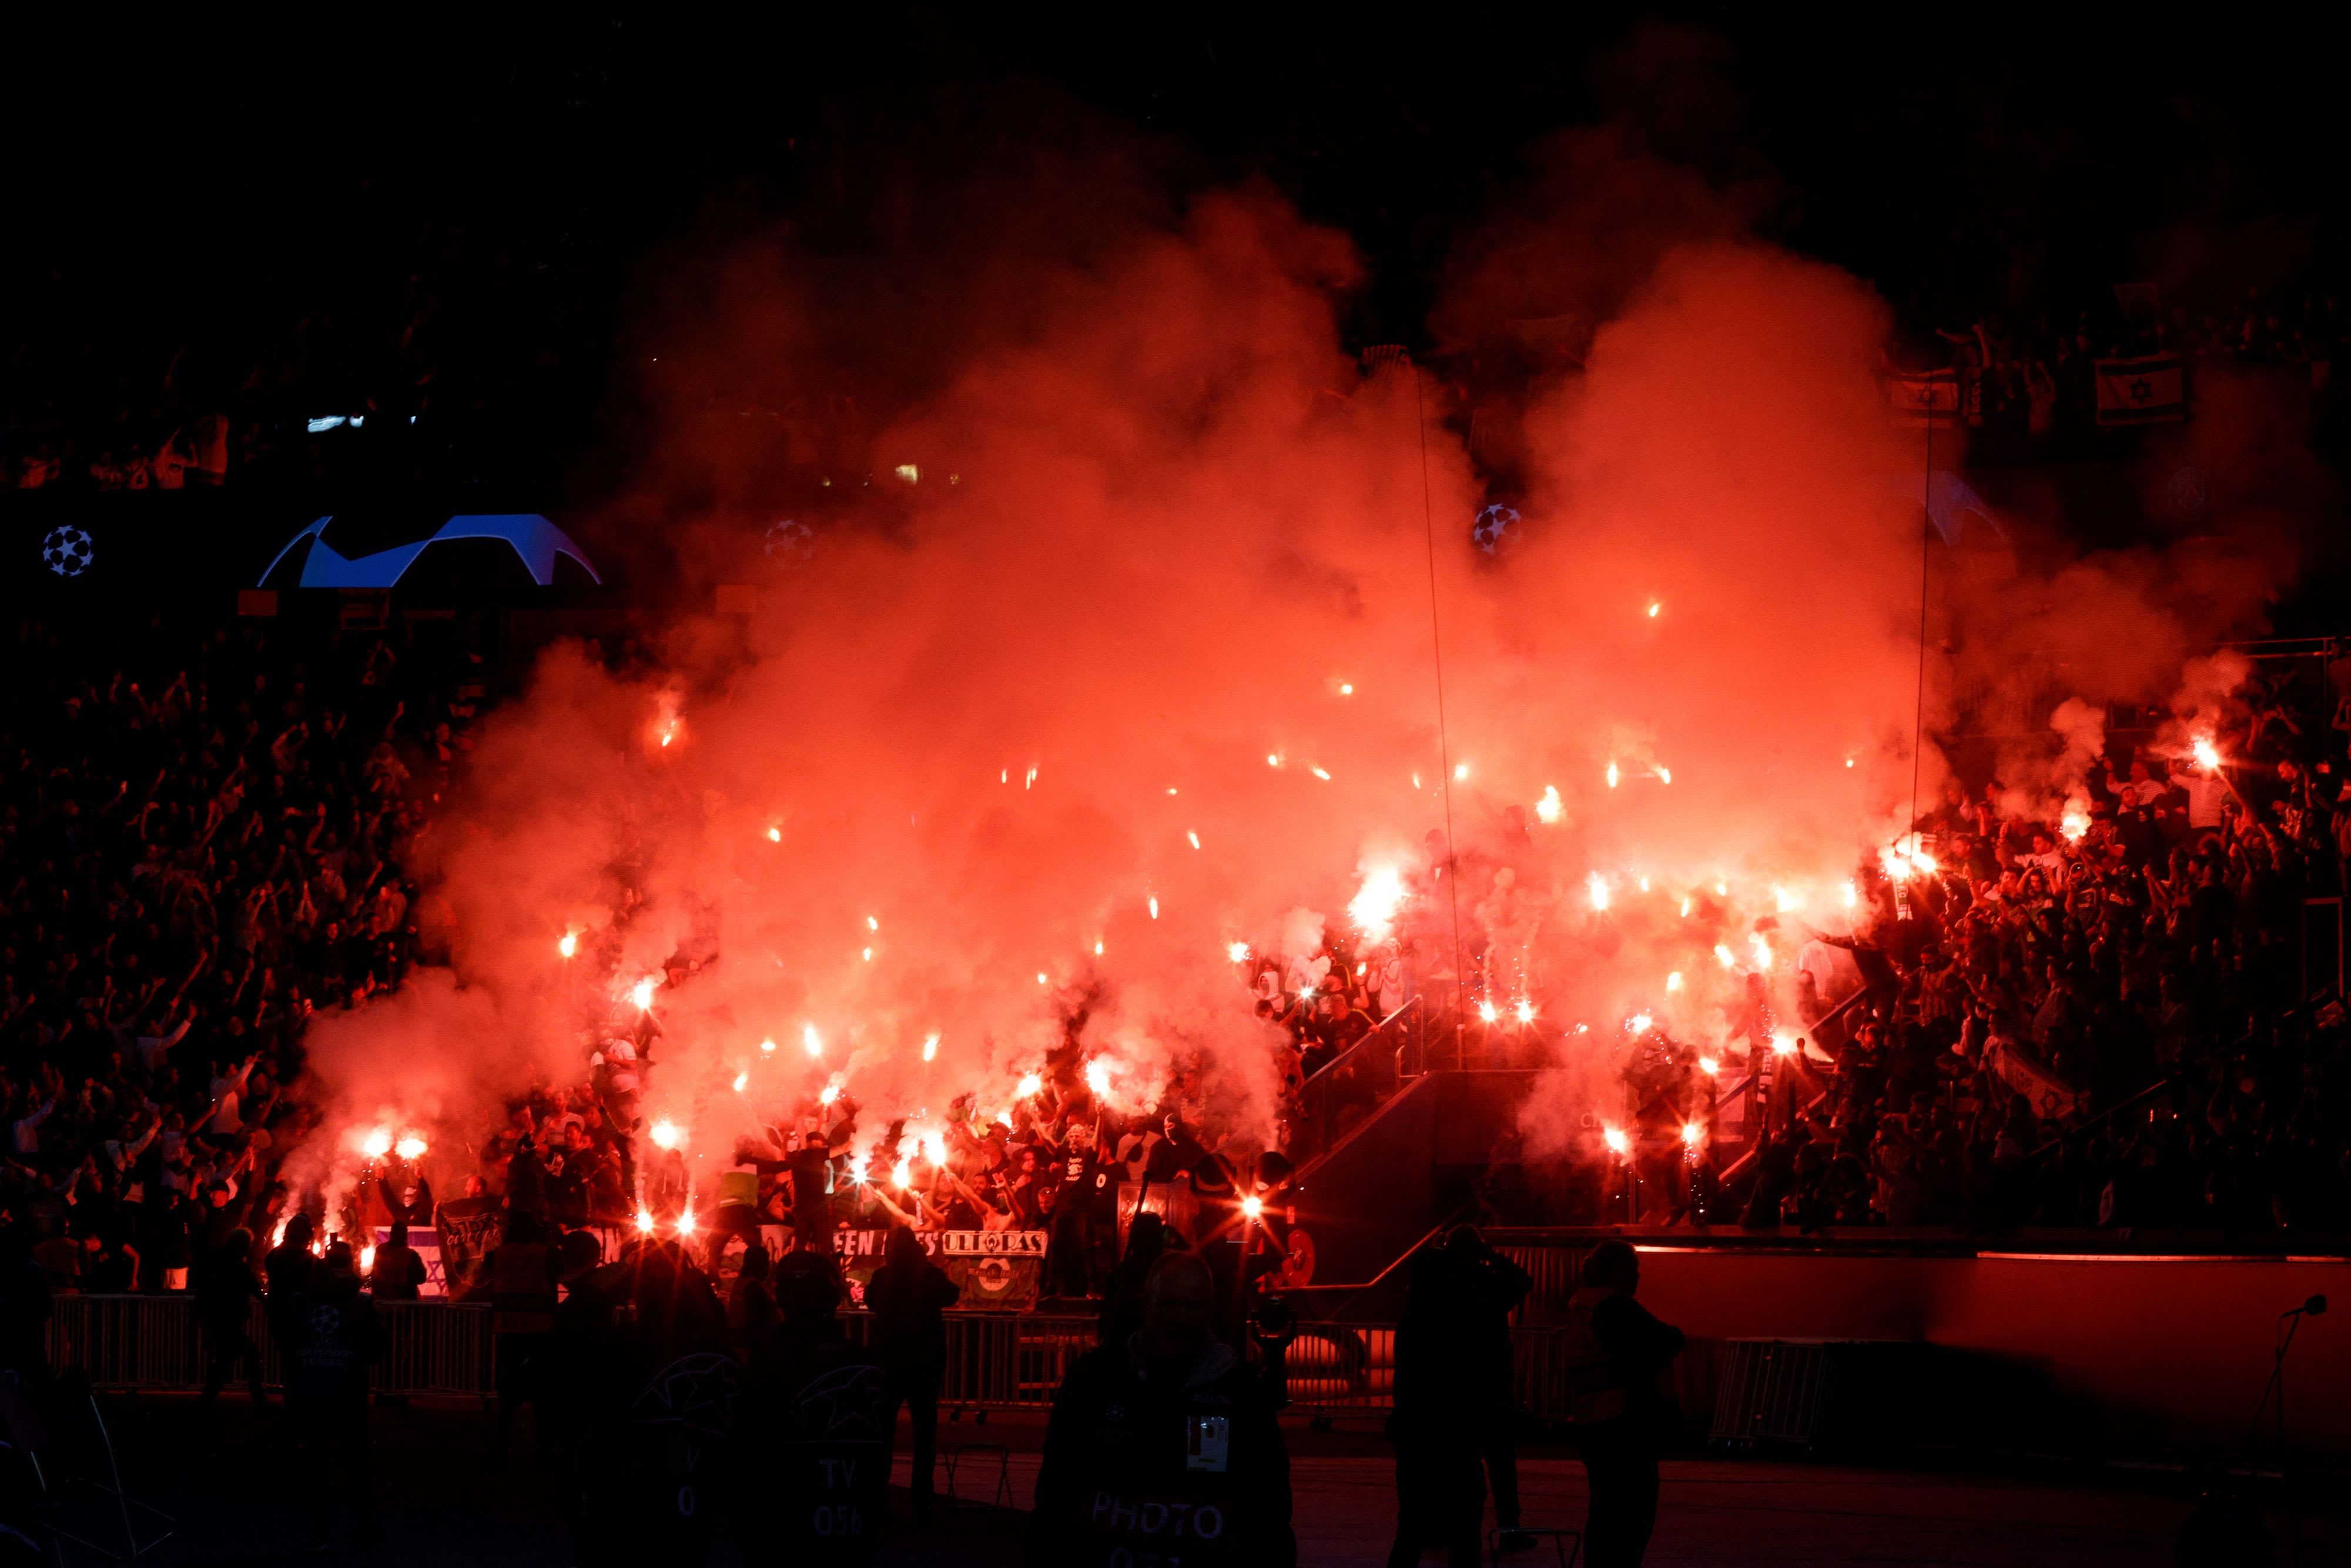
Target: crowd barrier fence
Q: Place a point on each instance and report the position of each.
(999, 1360)
(154, 1342)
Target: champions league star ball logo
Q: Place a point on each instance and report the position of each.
(1492, 523)
(789, 543)
(69, 550)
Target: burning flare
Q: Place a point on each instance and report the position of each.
(1374, 907)
(667, 1134)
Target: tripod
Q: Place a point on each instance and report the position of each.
(2273, 1398)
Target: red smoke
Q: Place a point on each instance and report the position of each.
(1160, 571)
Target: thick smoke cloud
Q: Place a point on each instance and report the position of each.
(1131, 657)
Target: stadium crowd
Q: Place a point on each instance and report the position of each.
(2106, 1022)
(200, 843)
(2091, 1022)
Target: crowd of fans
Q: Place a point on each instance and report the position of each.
(2102, 1017)
(200, 843)
(2028, 392)
(2105, 1022)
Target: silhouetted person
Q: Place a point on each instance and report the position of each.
(398, 1271)
(1493, 1287)
(1616, 1354)
(1121, 1308)
(1273, 1326)
(286, 1271)
(522, 1270)
(225, 1289)
(818, 1443)
(1164, 1447)
(906, 1297)
(1444, 1412)
(333, 1338)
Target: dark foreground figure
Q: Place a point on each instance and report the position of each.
(1163, 1447)
(1617, 1356)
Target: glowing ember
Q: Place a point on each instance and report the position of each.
(1098, 947)
(872, 922)
(1029, 1085)
(1374, 906)
(376, 1144)
(768, 1047)
(1323, 776)
(1194, 837)
(742, 1080)
(1598, 887)
(666, 1134)
(1725, 956)
(1460, 771)
(1041, 979)
(568, 944)
(411, 1147)
(1665, 775)
(1674, 981)
(930, 1048)
(641, 993)
(1709, 1065)
(1640, 1023)
(2208, 756)
(644, 1221)
(869, 955)
(1686, 908)
(775, 835)
(1252, 1207)
(1486, 1011)
(1273, 760)
(1618, 1142)
(1098, 1076)
(811, 1041)
(1645, 884)
(1548, 808)
(831, 1093)
(1612, 776)
(1346, 689)
(1236, 951)
(1654, 607)
(1525, 1010)
(1154, 902)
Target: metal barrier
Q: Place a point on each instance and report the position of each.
(154, 1342)
(998, 1361)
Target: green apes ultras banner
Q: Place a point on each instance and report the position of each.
(996, 1270)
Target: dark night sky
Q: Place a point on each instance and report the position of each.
(215, 182)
